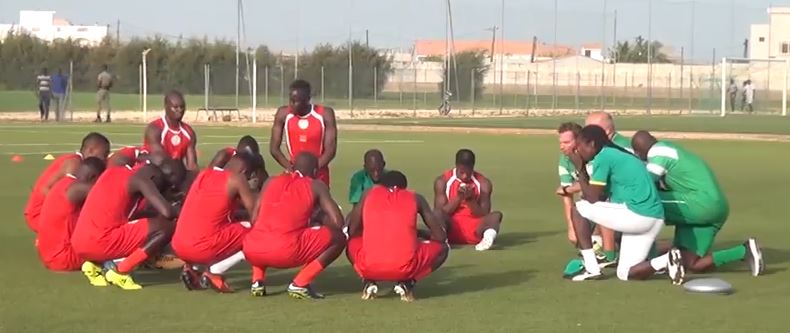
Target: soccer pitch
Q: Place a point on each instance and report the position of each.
(516, 287)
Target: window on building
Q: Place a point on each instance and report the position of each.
(82, 29)
(761, 39)
(588, 53)
(785, 48)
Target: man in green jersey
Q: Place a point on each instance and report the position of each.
(693, 203)
(362, 180)
(633, 207)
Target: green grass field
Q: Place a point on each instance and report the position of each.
(86, 101)
(514, 288)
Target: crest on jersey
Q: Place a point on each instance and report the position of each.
(303, 124)
(175, 140)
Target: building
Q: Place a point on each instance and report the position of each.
(45, 26)
(514, 51)
(592, 51)
(771, 40)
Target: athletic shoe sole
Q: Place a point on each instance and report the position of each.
(756, 255)
(676, 260)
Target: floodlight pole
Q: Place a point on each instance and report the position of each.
(723, 87)
(145, 84)
(784, 88)
(254, 88)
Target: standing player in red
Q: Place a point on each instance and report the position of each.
(384, 244)
(170, 135)
(464, 197)
(93, 145)
(206, 233)
(282, 237)
(59, 216)
(304, 127)
(103, 230)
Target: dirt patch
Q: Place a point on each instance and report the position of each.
(264, 118)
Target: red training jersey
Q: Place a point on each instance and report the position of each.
(57, 220)
(175, 141)
(451, 191)
(36, 200)
(206, 209)
(131, 153)
(389, 230)
(108, 204)
(305, 133)
(285, 206)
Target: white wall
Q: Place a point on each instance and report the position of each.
(40, 25)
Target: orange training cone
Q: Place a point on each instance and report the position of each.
(17, 158)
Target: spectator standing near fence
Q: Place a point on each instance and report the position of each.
(748, 96)
(732, 90)
(103, 82)
(43, 83)
(59, 84)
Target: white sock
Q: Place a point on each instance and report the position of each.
(489, 233)
(590, 262)
(224, 265)
(660, 262)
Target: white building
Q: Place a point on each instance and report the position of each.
(45, 26)
(771, 40)
(592, 51)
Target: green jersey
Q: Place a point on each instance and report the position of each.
(685, 173)
(567, 171)
(360, 182)
(622, 141)
(627, 182)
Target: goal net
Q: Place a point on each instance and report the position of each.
(754, 85)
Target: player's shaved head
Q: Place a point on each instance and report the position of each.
(175, 105)
(394, 178)
(249, 144)
(374, 164)
(95, 145)
(173, 171)
(602, 119)
(299, 96)
(642, 141)
(466, 158)
(245, 162)
(90, 169)
(373, 155)
(306, 163)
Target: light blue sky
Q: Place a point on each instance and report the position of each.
(284, 25)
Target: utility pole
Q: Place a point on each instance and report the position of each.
(118, 32)
(367, 38)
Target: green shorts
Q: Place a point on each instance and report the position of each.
(682, 209)
(695, 238)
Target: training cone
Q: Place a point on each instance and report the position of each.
(49, 157)
(16, 159)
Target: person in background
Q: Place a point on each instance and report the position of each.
(59, 84)
(103, 82)
(748, 96)
(732, 91)
(43, 83)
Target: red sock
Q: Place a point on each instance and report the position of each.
(308, 273)
(134, 259)
(258, 273)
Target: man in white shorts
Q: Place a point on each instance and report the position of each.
(634, 208)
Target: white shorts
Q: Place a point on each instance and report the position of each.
(639, 232)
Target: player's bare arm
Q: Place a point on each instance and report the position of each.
(276, 140)
(191, 157)
(238, 187)
(591, 193)
(440, 198)
(429, 218)
(152, 137)
(69, 167)
(254, 212)
(355, 217)
(77, 192)
(328, 205)
(118, 160)
(141, 183)
(482, 206)
(330, 138)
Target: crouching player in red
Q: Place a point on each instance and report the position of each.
(129, 155)
(281, 236)
(59, 216)
(246, 144)
(104, 232)
(206, 233)
(384, 244)
(93, 145)
(464, 198)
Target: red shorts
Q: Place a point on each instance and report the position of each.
(210, 250)
(463, 230)
(115, 243)
(418, 268)
(288, 251)
(32, 221)
(65, 260)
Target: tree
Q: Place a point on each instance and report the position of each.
(636, 52)
(467, 62)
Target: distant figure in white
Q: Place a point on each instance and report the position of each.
(732, 91)
(748, 96)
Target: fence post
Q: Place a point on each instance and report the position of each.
(376, 86)
(323, 88)
(528, 94)
(472, 97)
(266, 86)
(254, 90)
(282, 83)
